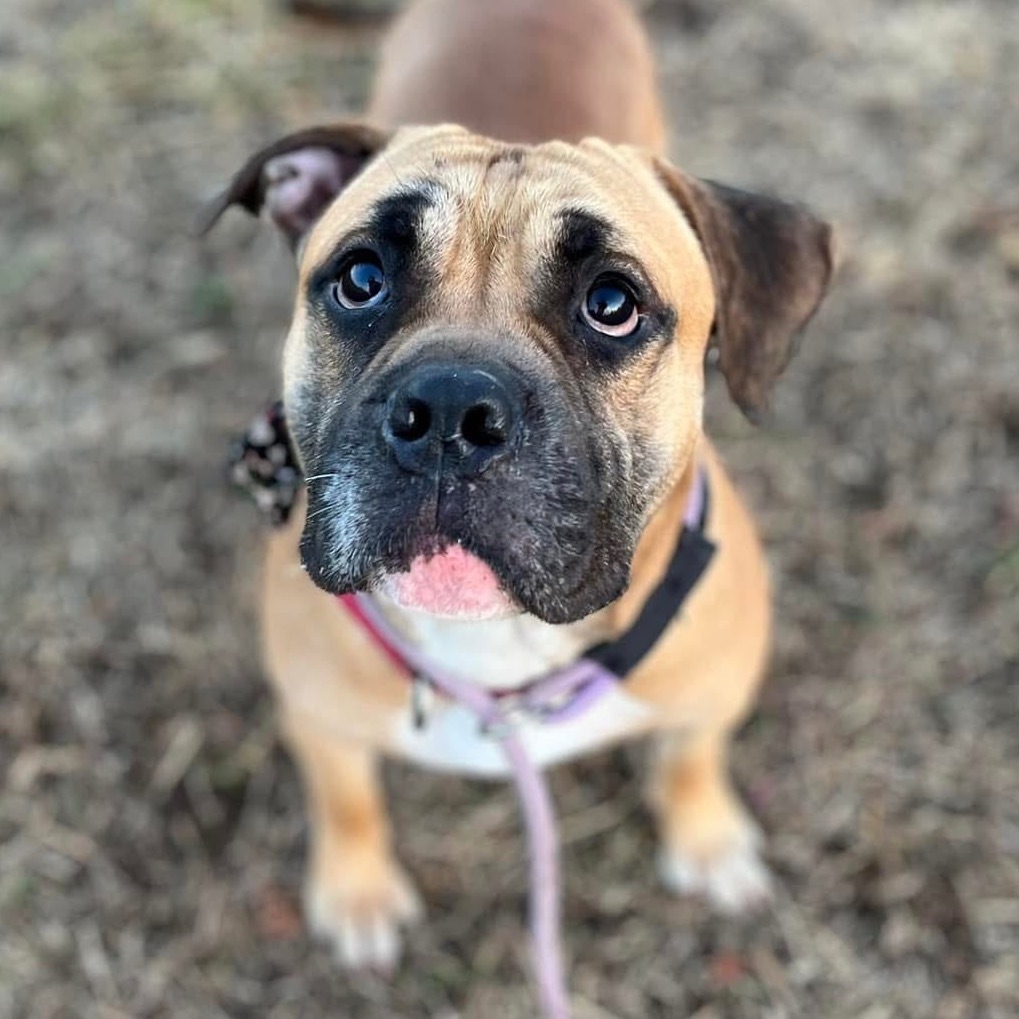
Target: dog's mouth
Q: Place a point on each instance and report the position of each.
(452, 584)
(536, 544)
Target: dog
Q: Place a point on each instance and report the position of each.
(494, 379)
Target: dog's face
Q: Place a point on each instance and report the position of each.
(494, 371)
(498, 349)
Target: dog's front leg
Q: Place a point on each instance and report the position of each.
(709, 844)
(356, 894)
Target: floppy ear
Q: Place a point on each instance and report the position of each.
(771, 262)
(297, 177)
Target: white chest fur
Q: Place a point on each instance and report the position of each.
(505, 654)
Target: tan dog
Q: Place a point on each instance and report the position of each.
(494, 377)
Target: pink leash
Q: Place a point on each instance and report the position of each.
(536, 804)
(563, 695)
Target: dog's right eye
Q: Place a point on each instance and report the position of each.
(361, 282)
(611, 307)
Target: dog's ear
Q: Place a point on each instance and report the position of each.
(771, 262)
(296, 178)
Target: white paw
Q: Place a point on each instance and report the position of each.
(733, 878)
(362, 919)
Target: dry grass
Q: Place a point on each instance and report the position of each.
(151, 832)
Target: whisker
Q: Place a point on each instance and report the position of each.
(319, 477)
(317, 513)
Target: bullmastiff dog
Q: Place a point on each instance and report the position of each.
(494, 380)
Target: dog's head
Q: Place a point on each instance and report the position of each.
(494, 371)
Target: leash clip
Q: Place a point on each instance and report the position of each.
(511, 714)
(422, 700)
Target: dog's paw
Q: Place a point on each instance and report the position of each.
(359, 910)
(730, 873)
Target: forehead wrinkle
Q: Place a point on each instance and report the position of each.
(492, 204)
(475, 225)
(502, 189)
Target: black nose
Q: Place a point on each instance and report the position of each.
(451, 417)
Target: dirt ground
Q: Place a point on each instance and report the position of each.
(151, 828)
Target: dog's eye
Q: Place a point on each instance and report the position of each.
(362, 281)
(611, 307)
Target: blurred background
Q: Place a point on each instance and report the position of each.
(152, 830)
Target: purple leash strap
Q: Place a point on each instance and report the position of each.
(536, 806)
(544, 893)
(695, 500)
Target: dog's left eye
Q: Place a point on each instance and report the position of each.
(362, 281)
(611, 308)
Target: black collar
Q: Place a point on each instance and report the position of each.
(692, 556)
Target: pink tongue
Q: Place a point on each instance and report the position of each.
(452, 583)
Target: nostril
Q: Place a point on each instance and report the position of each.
(485, 425)
(410, 419)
